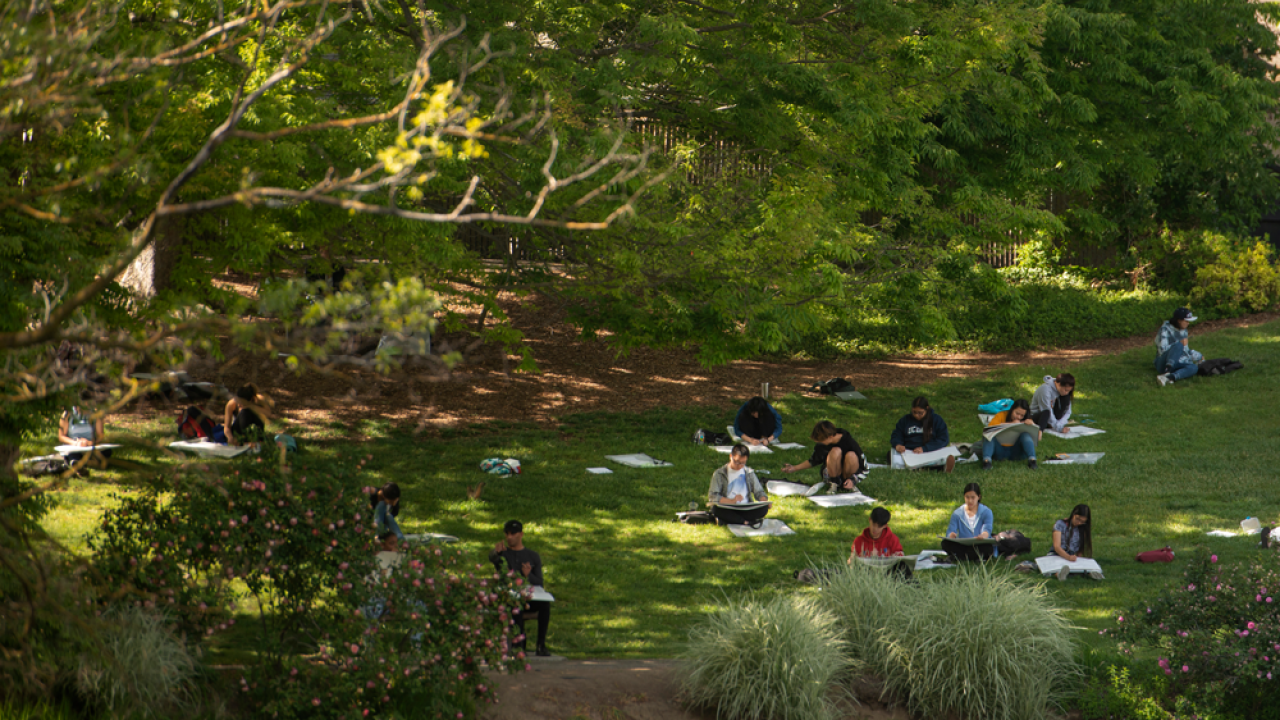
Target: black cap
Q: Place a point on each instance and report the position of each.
(512, 527)
(1183, 314)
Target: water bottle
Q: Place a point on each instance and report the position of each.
(699, 437)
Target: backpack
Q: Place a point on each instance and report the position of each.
(996, 406)
(49, 465)
(195, 423)
(1012, 542)
(1219, 366)
(696, 517)
(1164, 554)
(711, 437)
(833, 386)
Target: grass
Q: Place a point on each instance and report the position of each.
(629, 582)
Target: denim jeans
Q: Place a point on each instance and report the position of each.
(1177, 360)
(1024, 448)
(385, 521)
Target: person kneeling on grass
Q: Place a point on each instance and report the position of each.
(757, 423)
(733, 484)
(842, 462)
(970, 520)
(1025, 447)
(920, 431)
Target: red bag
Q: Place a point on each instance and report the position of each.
(1164, 554)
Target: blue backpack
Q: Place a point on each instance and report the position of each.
(996, 406)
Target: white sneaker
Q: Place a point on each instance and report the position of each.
(1164, 379)
(1095, 575)
(1063, 572)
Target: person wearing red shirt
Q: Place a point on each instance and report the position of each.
(877, 540)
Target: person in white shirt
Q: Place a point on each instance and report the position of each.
(734, 484)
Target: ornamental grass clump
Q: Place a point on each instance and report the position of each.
(142, 665)
(865, 600)
(772, 660)
(979, 645)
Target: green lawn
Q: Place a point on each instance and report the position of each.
(629, 582)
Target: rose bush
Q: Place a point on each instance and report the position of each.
(340, 635)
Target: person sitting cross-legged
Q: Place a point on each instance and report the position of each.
(734, 484)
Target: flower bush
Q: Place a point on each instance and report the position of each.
(340, 635)
(1215, 637)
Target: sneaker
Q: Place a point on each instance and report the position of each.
(1063, 572)
(986, 463)
(951, 464)
(1095, 575)
(1026, 567)
(542, 651)
(1265, 542)
(1164, 379)
(1032, 464)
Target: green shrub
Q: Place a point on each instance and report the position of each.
(143, 666)
(765, 661)
(980, 645)
(1116, 696)
(865, 600)
(1242, 279)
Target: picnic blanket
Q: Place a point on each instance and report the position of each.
(637, 460)
(841, 500)
(769, 526)
(210, 449)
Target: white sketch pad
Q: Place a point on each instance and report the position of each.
(788, 446)
(541, 595)
(889, 560)
(637, 460)
(783, 488)
(600, 471)
(428, 538)
(841, 500)
(770, 526)
(755, 449)
(68, 449)
(1049, 564)
(912, 460)
(925, 560)
(1075, 459)
(1076, 431)
(210, 448)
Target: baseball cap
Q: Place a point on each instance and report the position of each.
(1183, 314)
(513, 526)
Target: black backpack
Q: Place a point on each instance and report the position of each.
(1219, 366)
(49, 465)
(833, 386)
(1012, 542)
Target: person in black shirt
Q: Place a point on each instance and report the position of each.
(528, 564)
(842, 462)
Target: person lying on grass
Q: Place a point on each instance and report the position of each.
(920, 431)
(970, 520)
(1025, 447)
(876, 540)
(842, 462)
(733, 484)
(757, 423)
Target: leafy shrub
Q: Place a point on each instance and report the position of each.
(143, 666)
(1215, 637)
(980, 645)
(338, 636)
(770, 660)
(865, 600)
(1240, 280)
(1116, 696)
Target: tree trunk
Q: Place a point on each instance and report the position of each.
(151, 271)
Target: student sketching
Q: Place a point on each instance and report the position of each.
(970, 520)
(876, 540)
(78, 429)
(242, 416)
(757, 423)
(1073, 539)
(1025, 447)
(385, 502)
(842, 462)
(732, 484)
(1051, 404)
(1175, 360)
(920, 431)
(522, 560)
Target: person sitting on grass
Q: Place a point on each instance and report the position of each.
(733, 484)
(1073, 539)
(841, 460)
(385, 502)
(970, 520)
(876, 540)
(80, 430)
(1025, 447)
(1051, 405)
(242, 416)
(1175, 360)
(920, 431)
(757, 423)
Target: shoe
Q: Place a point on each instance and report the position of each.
(1032, 464)
(542, 651)
(1025, 567)
(1095, 575)
(1265, 542)
(1164, 379)
(1063, 572)
(951, 463)
(986, 464)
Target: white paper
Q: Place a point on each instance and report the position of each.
(889, 561)
(210, 448)
(600, 471)
(925, 560)
(936, 457)
(782, 488)
(985, 418)
(1049, 564)
(637, 460)
(427, 538)
(1221, 533)
(788, 446)
(755, 449)
(541, 595)
(68, 449)
(1075, 459)
(770, 526)
(1076, 431)
(841, 500)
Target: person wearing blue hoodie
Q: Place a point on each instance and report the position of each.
(920, 431)
(757, 423)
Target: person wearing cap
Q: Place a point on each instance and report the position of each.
(1175, 360)
(527, 564)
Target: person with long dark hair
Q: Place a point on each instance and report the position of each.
(1051, 405)
(385, 502)
(970, 520)
(758, 423)
(920, 431)
(1073, 539)
(242, 418)
(1024, 447)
